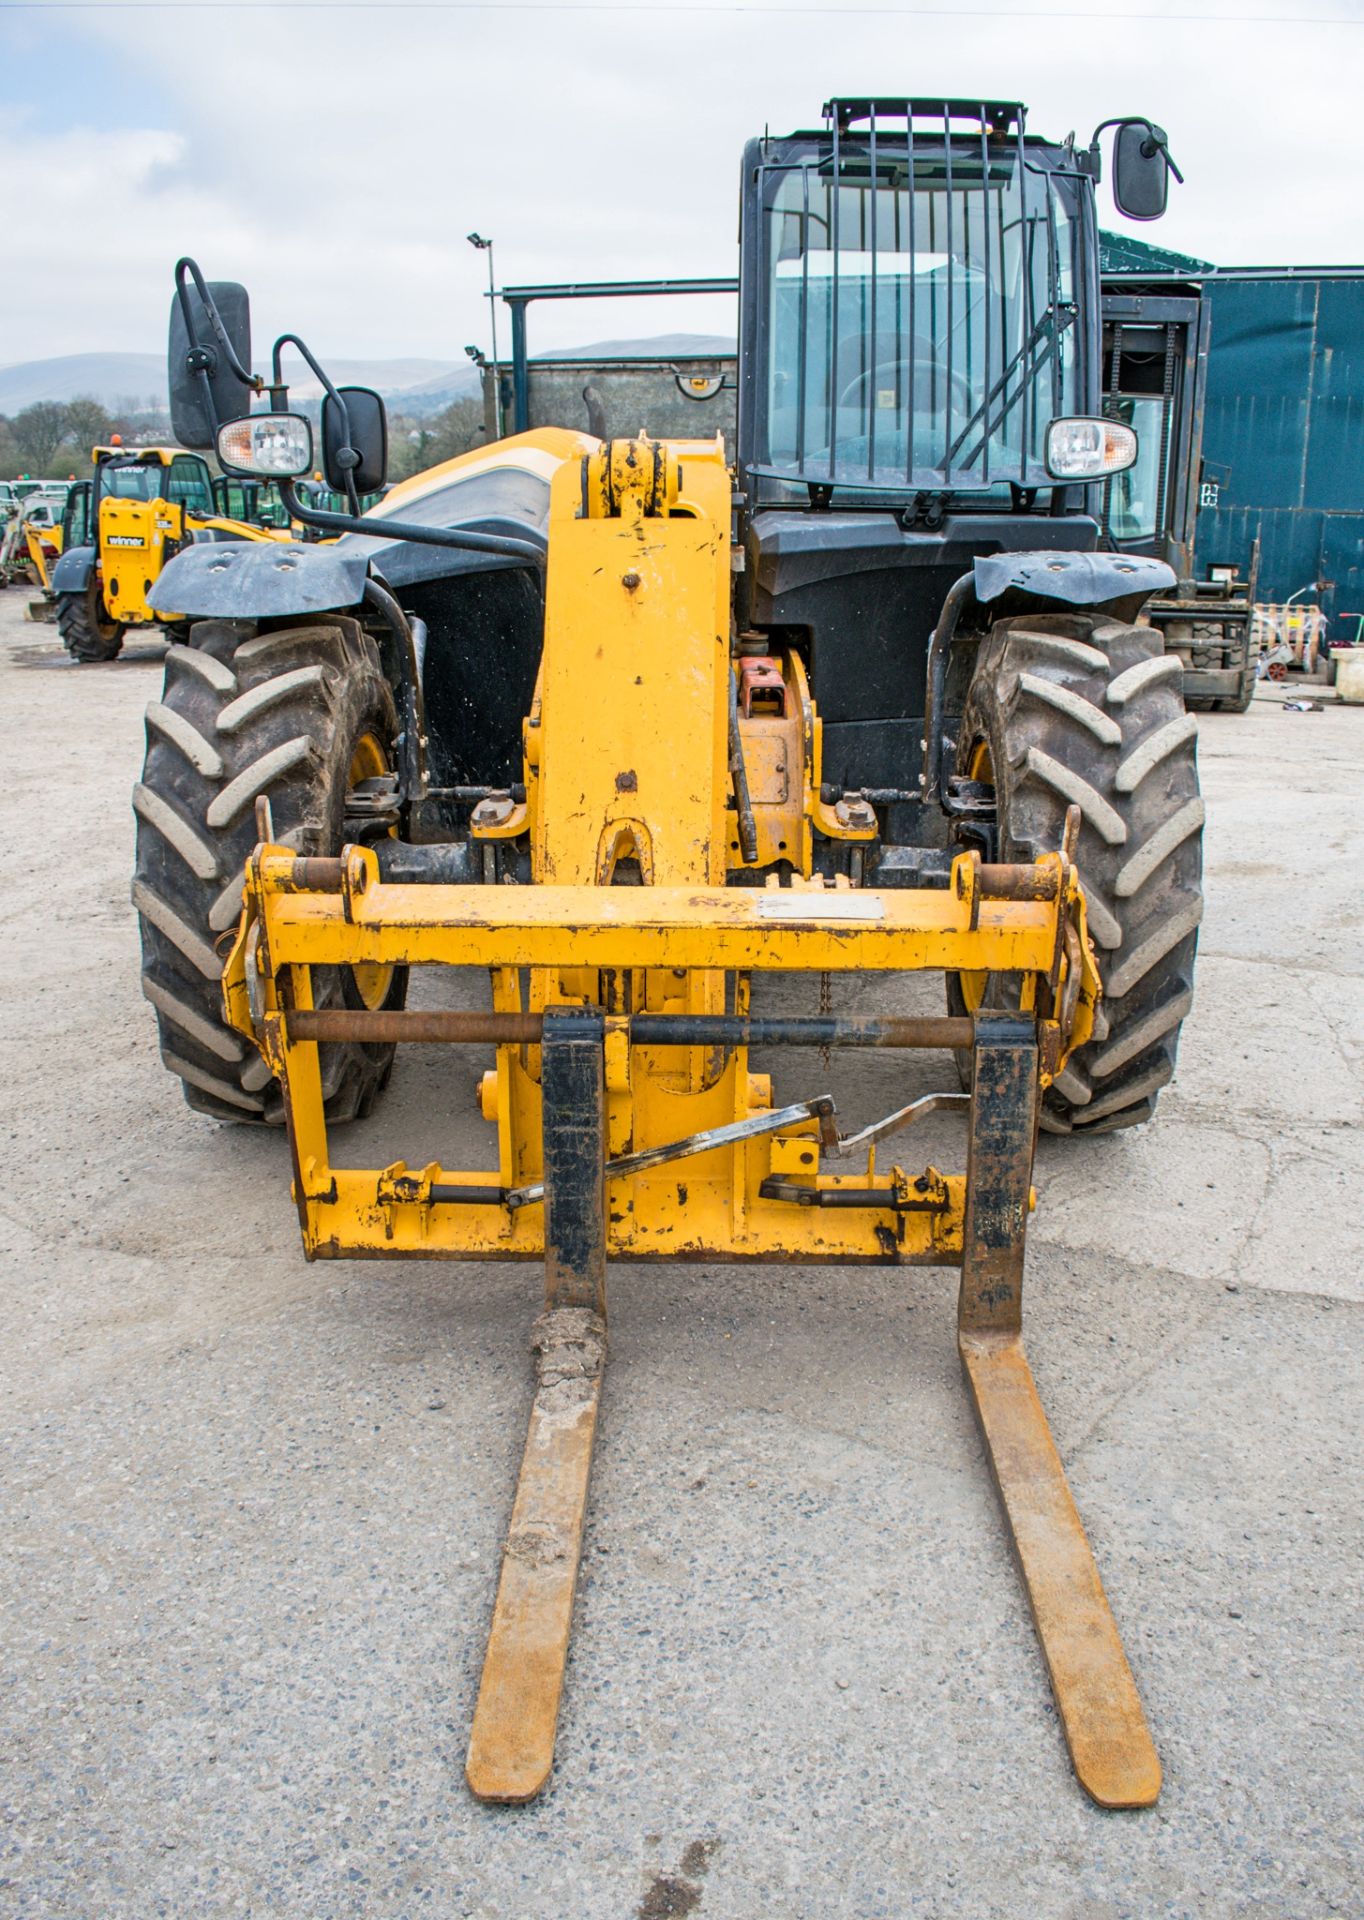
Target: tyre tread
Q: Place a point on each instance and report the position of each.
(1135, 781)
(242, 713)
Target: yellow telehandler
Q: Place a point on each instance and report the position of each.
(625, 727)
(138, 509)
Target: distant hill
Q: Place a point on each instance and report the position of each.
(109, 377)
(413, 386)
(434, 394)
(389, 377)
(659, 346)
(118, 377)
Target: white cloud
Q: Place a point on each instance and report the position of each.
(336, 160)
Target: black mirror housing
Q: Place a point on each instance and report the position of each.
(368, 439)
(193, 420)
(1141, 170)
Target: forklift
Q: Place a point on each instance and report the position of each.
(622, 730)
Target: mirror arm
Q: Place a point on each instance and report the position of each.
(1154, 146)
(1154, 143)
(198, 356)
(278, 386)
(505, 545)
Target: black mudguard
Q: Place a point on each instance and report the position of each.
(258, 580)
(74, 570)
(1119, 582)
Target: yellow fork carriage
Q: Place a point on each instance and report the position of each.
(657, 762)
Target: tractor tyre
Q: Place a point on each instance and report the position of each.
(1245, 693)
(301, 715)
(87, 634)
(1078, 709)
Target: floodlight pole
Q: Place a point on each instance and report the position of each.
(486, 246)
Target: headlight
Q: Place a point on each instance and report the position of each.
(1089, 449)
(279, 444)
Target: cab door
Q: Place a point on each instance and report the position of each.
(76, 517)
(1154, 361)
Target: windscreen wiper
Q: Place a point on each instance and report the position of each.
(1050, 326)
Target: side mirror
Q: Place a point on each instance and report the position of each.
(1141, 170)
(355, 442)
(204, 388)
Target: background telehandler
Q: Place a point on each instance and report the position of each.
(140, 506)
(631, 730)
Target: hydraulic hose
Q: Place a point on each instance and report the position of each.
(411, 647)
(930, 774)
(748, 826)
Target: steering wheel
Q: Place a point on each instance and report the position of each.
(895, 368)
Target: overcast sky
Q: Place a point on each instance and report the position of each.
(335, 157)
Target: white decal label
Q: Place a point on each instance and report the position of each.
(792, 905)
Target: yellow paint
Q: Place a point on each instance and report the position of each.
(44, 550)
(632, 836)
(637, 623)
(542, 451)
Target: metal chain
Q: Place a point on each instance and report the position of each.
(1167, 409)
(1110, 407)
(826, 1006)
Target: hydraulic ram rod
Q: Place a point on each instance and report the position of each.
(821, 1109)
(325, 873)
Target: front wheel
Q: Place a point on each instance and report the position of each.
(1078, 709)
(304, 716)
(86, 630)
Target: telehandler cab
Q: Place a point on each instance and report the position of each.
(626, 726)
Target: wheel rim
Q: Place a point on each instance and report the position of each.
(368, 760)
(105, 628)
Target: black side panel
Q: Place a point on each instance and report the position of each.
(872, 753)
(866, 595)
(484, 635)
(506, 500)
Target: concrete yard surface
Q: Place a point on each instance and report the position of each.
(253, 1509)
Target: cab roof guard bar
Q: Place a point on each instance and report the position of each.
(519, 298)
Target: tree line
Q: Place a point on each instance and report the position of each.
(60, 433)
(416, 444)
(51, 438)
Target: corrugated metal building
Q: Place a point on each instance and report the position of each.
(1283, 434)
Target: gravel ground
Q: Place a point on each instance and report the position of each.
(254, 1509)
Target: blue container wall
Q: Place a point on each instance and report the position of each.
(1284, 436)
